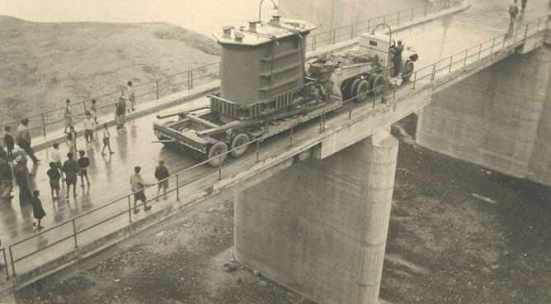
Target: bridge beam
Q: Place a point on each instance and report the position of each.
(320, 226)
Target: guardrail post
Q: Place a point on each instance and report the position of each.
(368, 25)
(129, 209)
(433, 75)
(157, 88)
(43, 119)
(451, 63)
(466, 56)
(6, 263)
(177, 187)
(292, 131)
(526, 32)
(480, 51)
(314, 38)
(12, 261)
(220, 172)
(414, 80)
(493, 46)
(191, 79)
(352, 31)
(257, 151)
(75, 233)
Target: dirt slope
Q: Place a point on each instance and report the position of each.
(41, 64)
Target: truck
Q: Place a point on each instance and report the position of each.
(268, 87)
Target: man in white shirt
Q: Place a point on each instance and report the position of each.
(89, 126)
(138, 188)
(131, 96)
(23, 139)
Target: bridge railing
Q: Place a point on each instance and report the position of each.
(51, 121)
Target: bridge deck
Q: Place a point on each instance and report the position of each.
(110, 176)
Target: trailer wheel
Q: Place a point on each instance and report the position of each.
(217, 154)
(238, 145)
(361, 90)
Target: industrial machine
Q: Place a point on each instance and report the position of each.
(266, 88)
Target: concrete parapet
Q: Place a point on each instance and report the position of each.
(320, 227)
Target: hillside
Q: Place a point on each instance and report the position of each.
(42, 64)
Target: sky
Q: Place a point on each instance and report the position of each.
(206, 16)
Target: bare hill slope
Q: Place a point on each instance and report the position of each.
(42, 64)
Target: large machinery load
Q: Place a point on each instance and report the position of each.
(266, 88)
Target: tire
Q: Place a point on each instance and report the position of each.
(362, 88)
(378, 85)
(238, 145)
(215, 150)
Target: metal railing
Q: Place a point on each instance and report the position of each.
(71, 235)
(45, 123)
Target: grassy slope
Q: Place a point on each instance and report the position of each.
(42, 64)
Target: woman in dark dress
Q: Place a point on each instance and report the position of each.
(38, 210)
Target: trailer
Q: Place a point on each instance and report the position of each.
(268, 87)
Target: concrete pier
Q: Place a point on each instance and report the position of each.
(499, 118)
(320, 227)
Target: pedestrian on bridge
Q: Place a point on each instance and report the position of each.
(38, 210)
(9, 142)
(131, 96)
(106, 140)
(71, 169)
(120, 113)
(523, 4)
(6, 180)
(162, 175)
(23, 139)
(138, 188)
(513, 15)
(89, 126)
(54, 177)
(68, 116)
(83, 163)
(71, 138)
(23, 180)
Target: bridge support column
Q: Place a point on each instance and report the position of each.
(320, 227)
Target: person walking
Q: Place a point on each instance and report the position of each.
(71, 169)
(9, 142)
(38, 210)
(106, 140)
(54, 177)
(23, 139)
(89, 126)
(83, 163)
(23, 180)
(68, 115)
(120, 113)
(162, 175)
(94, 111)
(131, 96)
(138, 188)
(6, 180)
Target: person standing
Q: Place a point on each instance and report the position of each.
(162, 175)
(120, 113)
(523, 4)
(55, 156)
(71, 169)
(89, 127)
(23, 181)
(106, 140)
(138, 188)
(94, 111)
(54, 178)
(83, 163)
(6, 180)
(68, 115)
(23, 139)
(72, 140)
(9, 142)
(131, 96)
(513, 14)
(38, 210)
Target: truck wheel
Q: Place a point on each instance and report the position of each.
(217, 154)
(238, 145)
(378, 85)
(361, 90)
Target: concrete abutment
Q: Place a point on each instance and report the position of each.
(320, 227)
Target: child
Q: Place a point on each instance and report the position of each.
(56, 157)
(38, 210)
(9, 142)
(106, 140)
(72, 139)
(54, 177)
(83, 163)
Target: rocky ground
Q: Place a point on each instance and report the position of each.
(42, 64)
(459, 234)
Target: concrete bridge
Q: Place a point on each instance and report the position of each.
(312, 206)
